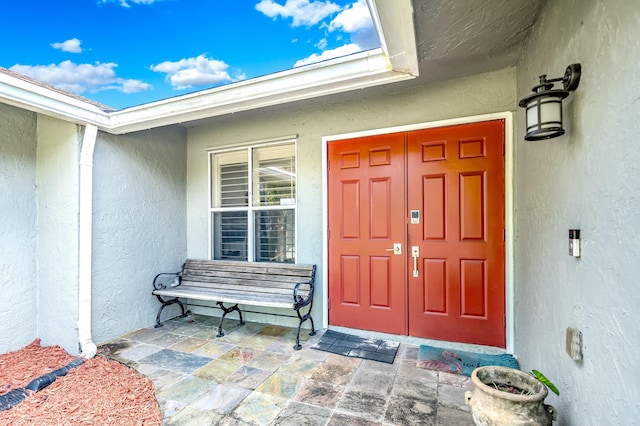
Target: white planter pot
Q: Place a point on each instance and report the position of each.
(493, 407)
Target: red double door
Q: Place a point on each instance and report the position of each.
(416, 233)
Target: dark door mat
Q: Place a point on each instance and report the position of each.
(357, 347)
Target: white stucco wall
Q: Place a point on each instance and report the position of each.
(587, 179)
(481, 94)
(17, 228)
(139, 225)
(58, 149)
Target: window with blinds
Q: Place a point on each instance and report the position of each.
(253, 204)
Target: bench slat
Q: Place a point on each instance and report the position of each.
(287, 281)
(254, 299)
(262, 281)
(245, 288)
(275, 269)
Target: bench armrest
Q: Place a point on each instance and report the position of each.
(300, 301)
(167, 279)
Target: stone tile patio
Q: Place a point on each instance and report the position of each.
(252, 376)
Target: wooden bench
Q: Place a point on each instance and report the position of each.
(278, 285)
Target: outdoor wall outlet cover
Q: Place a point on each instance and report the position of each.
(574, 343)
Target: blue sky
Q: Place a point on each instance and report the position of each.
(128, 52)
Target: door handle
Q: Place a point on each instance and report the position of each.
(397, 248)
(415, 253)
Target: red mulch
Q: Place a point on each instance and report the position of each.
(97, 392)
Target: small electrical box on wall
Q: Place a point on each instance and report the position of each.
(574, 242)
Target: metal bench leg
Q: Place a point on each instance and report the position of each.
(303, 318)
(226, 311)
(166, 303)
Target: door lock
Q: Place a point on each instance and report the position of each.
(397, 248)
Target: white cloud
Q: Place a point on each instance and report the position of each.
(353, 19)
(303, 12)
(199, 71)
(124, 3)
(71, 46)
(345, 50)
(82, 78)
(322, 44)
(356, 20)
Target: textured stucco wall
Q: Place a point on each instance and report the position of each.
(17, 228)
(58, 149)
(139, 225)
(587, 179)
(481, 94)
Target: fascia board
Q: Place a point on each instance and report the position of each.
(394, 21)
(24, 94)
(349, 73)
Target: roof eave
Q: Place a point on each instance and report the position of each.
(395, 61)
(40, 99)
(344, 74)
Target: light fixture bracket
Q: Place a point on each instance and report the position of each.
(571, 77)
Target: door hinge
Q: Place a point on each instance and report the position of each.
(329, 302)
(504, 320)
(504, 235)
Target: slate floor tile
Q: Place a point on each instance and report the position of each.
(299, 367)
(258, 341)
(139, 351)
(408, 368)
(248, 377)
(217, 370)
(222, 399)
(298, 414)
(372, 381)
(281, 385)
(239, 355)
(213, 349)
(191, 416)
(410, 353)
(268, 360)
(320, 394)
(409, 411)
(188, 344)
(452, 396)
(380, 367)
(160, 377)
(176, 361)
(368, 405)
(414, 388)
(186, 390)
(259, 408)
(341, 419)
(274, 330)
(451, 417)
(148, 335)
(351, 363)
(333, 373)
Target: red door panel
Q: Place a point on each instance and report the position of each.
(366, 188)
(456, 178)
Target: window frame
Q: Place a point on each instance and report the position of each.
(250, 208)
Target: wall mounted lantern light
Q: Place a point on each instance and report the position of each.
(544, 106)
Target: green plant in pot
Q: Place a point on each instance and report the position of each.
(506, 396)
